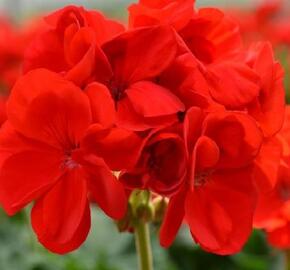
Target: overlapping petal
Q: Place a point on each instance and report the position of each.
(54, 111)
(61, 217)
(219, 229)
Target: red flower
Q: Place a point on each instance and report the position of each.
(125, 67)
(208, 33)
(131, 78)
(214, 39)
(43, 159)
(71, 44)
(161, 166)
(219, 183)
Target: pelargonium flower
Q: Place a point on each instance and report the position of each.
(221, 148)
(162, 163)
(215, 42)
(120, 72)
(71, 43)
(42, 160)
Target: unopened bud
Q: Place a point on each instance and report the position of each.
(125, 224)
(144, 212)
(160, 205)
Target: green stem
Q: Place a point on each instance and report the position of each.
(143, 246)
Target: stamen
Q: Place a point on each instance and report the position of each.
(202, 178)
(284, 191)
(69, 162)
(117, 90)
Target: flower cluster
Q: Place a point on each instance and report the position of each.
(174, 103)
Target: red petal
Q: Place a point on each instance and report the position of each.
(118, 147)
(152, 100)
(192, 127)
(85, 57)
(107, 191)
(128, 118)
(235, 85)
(61, 218)
(28, 169)
(80, 51)
(133, 59)
(269, 108)
(267, 165)
(280, 238)
(220, 213)
(270, 203)
(206, 154)
(46, 51)
(102, 104)
(174, 13)
(173, 219)
(211, 35)
(66, 16)
(222, 31)
(105, 29)
(48, 108)
(237, 136)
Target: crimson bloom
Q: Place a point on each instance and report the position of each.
(161, 165)
(71, 43)
(220, 162)
(42, 160)
(131, 78)
(120, 72)
(215, 41)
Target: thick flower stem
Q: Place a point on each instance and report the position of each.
(143, 246)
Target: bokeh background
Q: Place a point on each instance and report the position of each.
(106, 248)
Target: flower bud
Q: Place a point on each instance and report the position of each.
(144, 212)
(160, 206)
(125, 224)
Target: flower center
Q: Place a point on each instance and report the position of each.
(202, 178)
(284, 191)
(69, 162)
(117, 90)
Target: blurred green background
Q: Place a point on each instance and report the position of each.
(106, 248)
